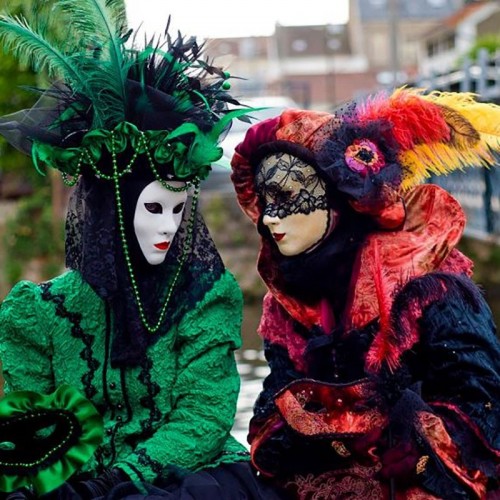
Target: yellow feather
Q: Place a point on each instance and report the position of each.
(440, 158)
(483, 116)
(475, 136)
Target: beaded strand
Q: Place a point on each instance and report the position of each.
(151, 162)
(70, 181)
(152, 328)
(49, 453)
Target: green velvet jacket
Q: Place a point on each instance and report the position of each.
(175, 410)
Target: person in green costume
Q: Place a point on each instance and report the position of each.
(146, 319)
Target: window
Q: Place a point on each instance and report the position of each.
(432, 48)
(299, 45)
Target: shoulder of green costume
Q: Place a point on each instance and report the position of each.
(23, 294)
(225, 291)
(68, 280)
(26, 295)
(221, 306)
(226, 288)
(21, 311)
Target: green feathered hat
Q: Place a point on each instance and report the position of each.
(110, 101)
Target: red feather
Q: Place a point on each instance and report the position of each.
(382, 350)
(413, 119)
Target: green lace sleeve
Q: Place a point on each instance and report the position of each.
(205, 393)
(25, 347)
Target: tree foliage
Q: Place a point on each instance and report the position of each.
(33, 243)
(490, 42)
(15, 96)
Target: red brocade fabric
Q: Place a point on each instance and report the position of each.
(434, 430)
(344, 408)
(301, 127)
(346, 423)
(387, 261)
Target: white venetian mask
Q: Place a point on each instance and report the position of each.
(158, 215)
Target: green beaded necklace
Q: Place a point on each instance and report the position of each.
(117, 174)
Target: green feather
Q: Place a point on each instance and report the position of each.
(100, 22)
(103, 20)
(227, 118)
(31, 47)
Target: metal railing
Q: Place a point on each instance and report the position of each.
(481, 77)
(477, 189)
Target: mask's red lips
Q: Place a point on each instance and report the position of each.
(278, 236)
(163, 245)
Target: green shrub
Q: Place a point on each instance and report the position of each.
(31, 235)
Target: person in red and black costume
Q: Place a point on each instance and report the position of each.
(384, 362)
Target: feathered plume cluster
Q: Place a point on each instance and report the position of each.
(101, 80)
(391, 142)
(435, 133)
(94, 62)
(90, 61)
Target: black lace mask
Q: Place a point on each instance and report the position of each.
(287, 185)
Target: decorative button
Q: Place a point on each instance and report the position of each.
(422, 464)
(112, 385)
(109, 431)
(119, 418)
(340, 448)
(119, 406)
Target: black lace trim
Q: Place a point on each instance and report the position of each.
(106, 357)
(76, 331)
(99, 458)
(148, 401)
(146, 461)
(138, 472)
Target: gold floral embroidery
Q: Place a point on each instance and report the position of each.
(338, 409)
(355, 482)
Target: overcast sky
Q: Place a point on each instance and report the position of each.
(227, 18)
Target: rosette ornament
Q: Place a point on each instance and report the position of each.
(45, 439)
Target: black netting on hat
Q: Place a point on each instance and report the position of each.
(42, 123)
(94, 248)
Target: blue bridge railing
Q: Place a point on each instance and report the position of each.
(478, 191)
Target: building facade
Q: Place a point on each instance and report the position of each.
(322, 66)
